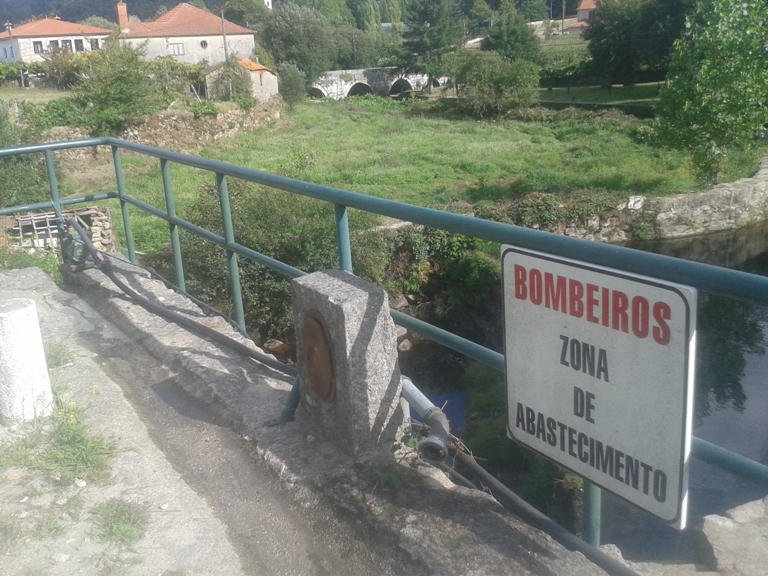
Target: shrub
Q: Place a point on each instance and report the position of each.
(291, 84)
(22, 178)
(58, 112)
(488, 85)
(116, 91)
(204, 108)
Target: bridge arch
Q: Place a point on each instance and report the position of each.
(316, 92)
(400, 85)
(359, 89)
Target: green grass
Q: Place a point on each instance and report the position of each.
(120, 521)
(64, 448)
(636, 94)
(414, 153)
(15, 259)
(36, 95)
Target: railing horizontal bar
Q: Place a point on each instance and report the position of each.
(65, 145)
(450, 340)
(276, 265)
(730, 283)
(730, 462)
(40, 206)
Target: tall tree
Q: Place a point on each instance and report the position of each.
(511, 36)
(433, 29)
(627, 37)
(252, 14)
(716, 95)
(480, 18)
(533, 10)
(302, 36)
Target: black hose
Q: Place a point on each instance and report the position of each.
(532, 516)
(103, 264)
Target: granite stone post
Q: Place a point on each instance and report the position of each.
(353, 404)
(25, 390)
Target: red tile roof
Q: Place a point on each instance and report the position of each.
(253, 66)
(587, 5)
(53, 27)
(183, 20)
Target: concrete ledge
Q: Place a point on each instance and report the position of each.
(425, 526)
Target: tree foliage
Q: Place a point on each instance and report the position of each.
(116, 90)
(716, 95)
(511, 37)
(252, 14)
(533, 10)
(22, 178)
(629, 37)
(489, 85)
(291, 84)
(433, 29)
(303, 36)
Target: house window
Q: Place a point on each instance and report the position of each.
(79, 46)
(95, 44)
(53, 45)
(66, 45)
(38, 47)
(203, 44)
(176, 49)
(5, 52)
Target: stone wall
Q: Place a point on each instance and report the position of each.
(724, 207)
(179, 130)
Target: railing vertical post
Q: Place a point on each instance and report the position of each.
(54, 188)
(342, 237)
(229, 236)
(123, 204)
(592, 513)
(170, 208)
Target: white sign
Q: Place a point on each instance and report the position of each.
(599, 371)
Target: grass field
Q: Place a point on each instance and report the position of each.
(413, 153)
(637, 94)
(37, 95)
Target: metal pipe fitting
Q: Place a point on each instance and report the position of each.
(434, 448)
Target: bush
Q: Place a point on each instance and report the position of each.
(22, 178)
(204, 108)
(294, 229)
(488, 85)
(231, 82)
(116, 91)
(59, 112)
(291, 84)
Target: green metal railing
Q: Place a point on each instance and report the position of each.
(729, 283)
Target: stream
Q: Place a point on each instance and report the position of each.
(731, 401)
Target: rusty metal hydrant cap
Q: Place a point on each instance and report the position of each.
(318, 356)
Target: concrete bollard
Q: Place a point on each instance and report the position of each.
(347, 360)
(25, 390)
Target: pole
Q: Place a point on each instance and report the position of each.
(224, 35)
(562, 22)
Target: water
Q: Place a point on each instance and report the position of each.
(731, 399)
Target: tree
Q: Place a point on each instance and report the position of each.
(490, 85)
(480, 18)
(355, 48)
(303, 36)
(433, 29)
(291, 84)
(533, 10)
(116, 90)
(627, 37)
(252, 14)
(716, 95)
(511, 37)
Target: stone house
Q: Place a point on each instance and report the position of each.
(263, 80)
(30, 41)
(188, 34)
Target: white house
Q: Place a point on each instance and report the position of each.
(188, 34)
(30, 41)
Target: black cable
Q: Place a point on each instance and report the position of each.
(105, 266)
(535, 518)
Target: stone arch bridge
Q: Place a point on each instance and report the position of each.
(339, 84)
